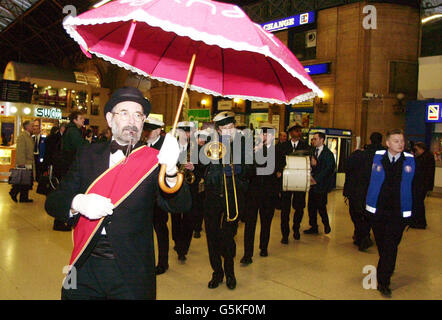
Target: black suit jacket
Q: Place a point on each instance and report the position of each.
(324, 172)
(130, 227)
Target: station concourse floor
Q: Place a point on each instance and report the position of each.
(32, 257)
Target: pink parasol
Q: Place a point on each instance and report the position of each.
(235, 57)
(229, 55)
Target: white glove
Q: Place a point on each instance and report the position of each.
(92, 205)
(169, 154)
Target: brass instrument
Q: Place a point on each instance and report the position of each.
(189, 176)
(216, 150)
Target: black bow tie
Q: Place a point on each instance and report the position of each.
(115, 146)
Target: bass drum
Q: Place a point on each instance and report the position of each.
(296, 174)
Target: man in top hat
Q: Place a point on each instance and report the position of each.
(153, 138)
(262, 194)
(225, 183)
(183, 222)
(109, 195)
(295, 199)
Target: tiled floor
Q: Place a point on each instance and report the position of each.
(32, 257)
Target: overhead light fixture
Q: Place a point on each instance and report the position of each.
(100, 3)
(204, 102)
(13, 109)
(26, 110)
(49, 87)
(431, 18)
(236, 100)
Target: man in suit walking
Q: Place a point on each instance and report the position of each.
(154, 140)
(295, 199)
(323, 174)
(39, 148)
(109, 195)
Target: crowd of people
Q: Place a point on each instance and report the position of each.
(385, 188)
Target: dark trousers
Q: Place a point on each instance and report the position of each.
(38, 167)
(317, 203)
(297, 201)
(183, 224)
(98, 279)
(22, 190)
(388, 230)
(199, 212)
(361, 223)
(266, 211)
(419, 209)
(160, 218)
(182, 229)
(220, 241)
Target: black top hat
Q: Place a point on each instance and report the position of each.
(127, 94)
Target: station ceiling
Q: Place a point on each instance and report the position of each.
(31, 30)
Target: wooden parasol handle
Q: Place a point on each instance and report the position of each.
(162, 174)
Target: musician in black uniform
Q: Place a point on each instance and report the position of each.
(154, 139)
(262, 194)
(182, 223)
(221, 213)
(202, 137)
(294, 198)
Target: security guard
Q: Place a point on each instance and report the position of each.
(182, 223)
(225, 187)
(154, 139)
(262, 194)
(294, 198)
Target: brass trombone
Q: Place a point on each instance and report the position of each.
(216, 150)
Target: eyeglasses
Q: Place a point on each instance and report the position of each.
(125, 115)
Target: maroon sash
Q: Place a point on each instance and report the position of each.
(116, 183)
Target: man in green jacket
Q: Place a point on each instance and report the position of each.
(72, 140)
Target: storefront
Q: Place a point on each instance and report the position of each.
(12, 116)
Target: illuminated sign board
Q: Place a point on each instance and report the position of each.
(434, 112)
(289, 22)
(52, 113)
(315, 69)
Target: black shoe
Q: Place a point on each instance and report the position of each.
(327, 229)
(246, 260)
(161, 269)
(231, 282)
(296, 234)
(197, 234)
(215, 281)
(182, 257)
(26, 200)
(263, 253)
(61, 227)
(365, 243)
(285, 241)
(385, 291)
(311, 231)
(13, 196)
